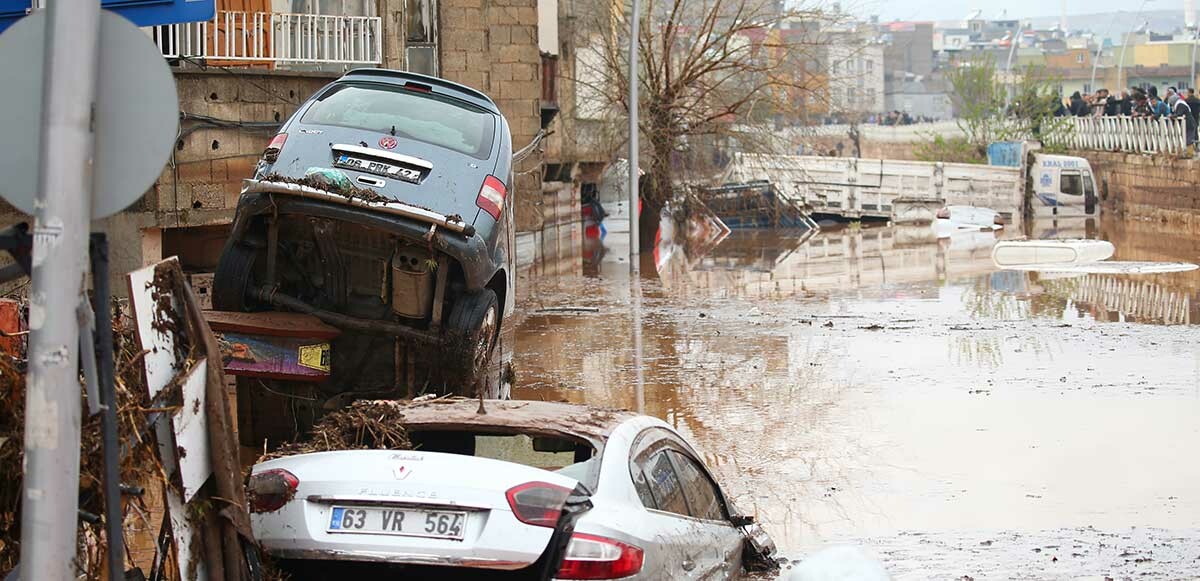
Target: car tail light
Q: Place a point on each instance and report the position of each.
(537, 503)
(269, 490)
(491, 197)
(272, 152)
(943, 214)
(596, 557)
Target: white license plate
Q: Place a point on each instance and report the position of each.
(378, 168)
(406, 522)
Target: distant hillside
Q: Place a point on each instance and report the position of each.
(1114, 25)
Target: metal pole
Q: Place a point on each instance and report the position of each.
(1192, 79)
(49, 521)
(633, 136)
(1012, 49)
(101, 297)
(1099, 52)
(1125, 45)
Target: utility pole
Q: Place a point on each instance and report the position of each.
(634, 206)
(50, 519)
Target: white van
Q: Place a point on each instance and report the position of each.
(1063, 185)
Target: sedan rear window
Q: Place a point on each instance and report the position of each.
(429, 118)
(556, 454)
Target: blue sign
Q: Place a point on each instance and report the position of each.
(1005, 153)
(139, 12)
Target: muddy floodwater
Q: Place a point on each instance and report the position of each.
(881, 388)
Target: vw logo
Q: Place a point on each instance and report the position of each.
(388, 143)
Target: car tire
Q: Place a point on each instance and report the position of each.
(472, 327)
(232, 280)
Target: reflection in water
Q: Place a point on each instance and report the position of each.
(866, 382)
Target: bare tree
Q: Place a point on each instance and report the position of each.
(712, 74)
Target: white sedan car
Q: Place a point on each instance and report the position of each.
(529, 490)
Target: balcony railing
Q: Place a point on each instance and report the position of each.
(1126, 134)
(248, 38)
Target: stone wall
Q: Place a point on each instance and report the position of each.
(1157, 188)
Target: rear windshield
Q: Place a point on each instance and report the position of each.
(569, 457)
(423, 117)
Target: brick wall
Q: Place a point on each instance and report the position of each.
(1158, 188)
(492, 46)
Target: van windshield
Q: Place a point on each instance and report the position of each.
(429, 118)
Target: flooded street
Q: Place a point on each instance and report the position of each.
(882, 388)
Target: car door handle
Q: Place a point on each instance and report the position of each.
(688, 564)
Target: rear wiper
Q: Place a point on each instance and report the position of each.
(393, 131)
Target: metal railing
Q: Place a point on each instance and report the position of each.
(1126, 134)
(274, 38)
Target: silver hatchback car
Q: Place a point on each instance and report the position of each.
(527, 490)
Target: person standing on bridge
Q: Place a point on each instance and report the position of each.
(1181, 110)
(1194, 103)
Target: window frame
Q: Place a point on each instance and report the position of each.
(654, 440)
(1062, 182)
(433, 43)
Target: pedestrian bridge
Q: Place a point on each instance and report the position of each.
(1123, 134)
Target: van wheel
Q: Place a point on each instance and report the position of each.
(473, 326)
(231, 282)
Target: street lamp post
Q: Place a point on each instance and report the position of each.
(633, 136)
(1125, 45)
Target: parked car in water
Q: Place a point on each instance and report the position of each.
(527, 490)
(381, 207)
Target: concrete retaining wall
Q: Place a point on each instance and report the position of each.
(1151, 187)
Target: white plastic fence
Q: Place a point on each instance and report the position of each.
(272, 37)
(1127, 134)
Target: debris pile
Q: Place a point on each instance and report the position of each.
(139, 462)
(363, 425)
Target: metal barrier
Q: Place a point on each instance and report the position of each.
(1126, 134)
(274, 38)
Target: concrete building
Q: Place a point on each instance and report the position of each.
(908, 48)
(920, 99)
(855, 65)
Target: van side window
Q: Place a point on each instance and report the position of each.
(1071, 184)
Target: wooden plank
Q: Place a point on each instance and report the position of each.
(161, 368)
(270, 324)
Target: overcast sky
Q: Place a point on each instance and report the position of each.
(957, 9)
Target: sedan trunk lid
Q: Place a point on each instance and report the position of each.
(414, 507)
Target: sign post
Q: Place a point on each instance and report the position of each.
(62, 214)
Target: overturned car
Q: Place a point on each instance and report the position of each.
(381, 209)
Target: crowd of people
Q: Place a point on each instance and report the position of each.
(1137, 102)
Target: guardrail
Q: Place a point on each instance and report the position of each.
(233, 37)
(1126, 134)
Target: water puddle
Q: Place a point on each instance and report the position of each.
(885, 388)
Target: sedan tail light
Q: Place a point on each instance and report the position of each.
(491, 197)
(537, 503)
(269, 490)
(596, 557)
(943, 214)
(272, 152)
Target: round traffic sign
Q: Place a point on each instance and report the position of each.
(136, 116)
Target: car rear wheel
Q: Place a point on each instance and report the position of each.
(231, 282)
(473, 326)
